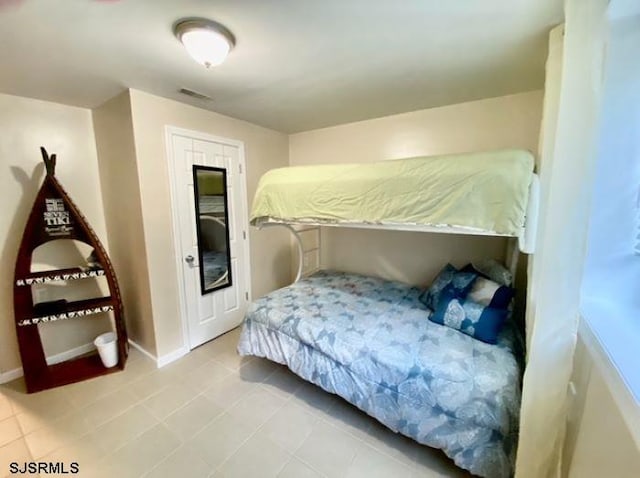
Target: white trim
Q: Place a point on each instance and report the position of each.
(629, 408)
(143, 351)
(71, 354)
(51, 360)
(163, 360)
(172, 356)
(191, 134)
(170, 131)
(11, 375)
(245, 226)
(175, 235)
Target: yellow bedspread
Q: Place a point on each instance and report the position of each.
(481, 191)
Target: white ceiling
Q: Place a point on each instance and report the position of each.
(297, 65)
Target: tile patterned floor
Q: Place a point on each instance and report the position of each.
(210, 414)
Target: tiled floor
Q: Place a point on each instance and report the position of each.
(210, 414)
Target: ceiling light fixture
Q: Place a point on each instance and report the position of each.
(206, 41)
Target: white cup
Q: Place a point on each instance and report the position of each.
(107, 345)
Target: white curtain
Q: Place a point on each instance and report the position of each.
(566, 165)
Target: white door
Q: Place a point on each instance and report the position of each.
(214, 313)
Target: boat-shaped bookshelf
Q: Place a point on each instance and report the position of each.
(53, 217)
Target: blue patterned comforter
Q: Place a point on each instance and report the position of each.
(370, 341)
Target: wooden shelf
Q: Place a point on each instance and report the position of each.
(71, 310)
(74, 273)
(55, 217)
(71, 371)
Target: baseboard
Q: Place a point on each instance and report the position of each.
(11, 375)
(163, 360)
(53, 359)
(70, 354)
(172, 357)
(83, 349)
(143, 351)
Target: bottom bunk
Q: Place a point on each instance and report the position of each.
(369, 341)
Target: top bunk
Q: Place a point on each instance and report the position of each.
(489, 193)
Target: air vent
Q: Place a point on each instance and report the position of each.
(194, 94)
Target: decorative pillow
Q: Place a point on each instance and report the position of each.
(460, 285)
(450, 282)
(471, 318)
(495, 271)
(490, 294)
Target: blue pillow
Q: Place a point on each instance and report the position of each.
(471, 318)
(448, 282)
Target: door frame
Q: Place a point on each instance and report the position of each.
(171, 131)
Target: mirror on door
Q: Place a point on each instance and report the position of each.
(212, 218)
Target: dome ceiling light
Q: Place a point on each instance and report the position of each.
(207, 42)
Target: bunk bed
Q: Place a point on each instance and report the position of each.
(377, 343)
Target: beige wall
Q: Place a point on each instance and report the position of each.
(25, 125)
(125, 166)
(598, 441)
(264, 149)
(113, 127)
(505, 122)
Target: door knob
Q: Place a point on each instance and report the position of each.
(189, 259)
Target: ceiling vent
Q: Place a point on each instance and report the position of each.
(194, 94)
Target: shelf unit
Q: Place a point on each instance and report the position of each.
(73, 273)
(53, 217)
(71, 310)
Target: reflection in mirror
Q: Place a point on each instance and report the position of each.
(212, 218)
